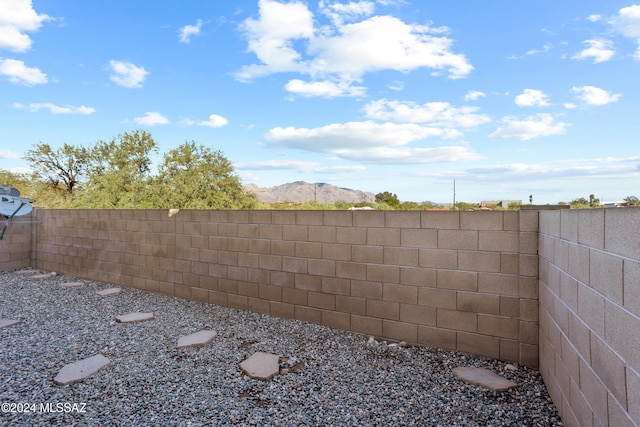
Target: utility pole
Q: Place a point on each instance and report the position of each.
(454, 194)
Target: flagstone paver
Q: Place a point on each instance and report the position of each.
(71, 284)
(261, 366)
(197, 339)
(27, 271)
(484, 378)
(109, 291)
(5, 323)
(78, 371)
(42, 276)
(134, 317)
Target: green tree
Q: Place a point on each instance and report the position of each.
(31, 186)
(341, 205)
(410, 206)
(465, 206)
(582, 203)
(16, 180)
(129, 151)
(62, 169)
(632, 201)
(389, 199)
(193, 176)
(120, 172)
(514, 206)
(579, 203)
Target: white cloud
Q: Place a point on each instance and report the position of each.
(529, 128)
(20, 170)
(18, 72)
(596, 96)
(594, 18)
(546, 48)
(151, 119)
(271, 37)
(600, 50)
(299, 166)
(189, 31)
(391, 2)
(396, 85)
(215, 121)
(372, 142)
(532, 98)
(326, 89)
(441, 114)
(474, 95)
(597, 168)
(55, 109)
(406, 155)
(341, 12)
(351, 135)
(16, 18)
(627, 23)
(126, 74)
(385, 43)
(9, 155)
(286, 39)
(570, 105)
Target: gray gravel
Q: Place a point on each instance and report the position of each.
(328, 377)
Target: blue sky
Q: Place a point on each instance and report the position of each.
(507, 98)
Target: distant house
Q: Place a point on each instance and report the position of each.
(504, 204)
(615, 204)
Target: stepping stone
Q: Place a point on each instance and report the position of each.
(484, 378)
(71, 284)
(110, 291)
(196, 340)
(78, 371)
(27, 271)
(134, 317)
(261, 366)
(43, 276)
(4, 323)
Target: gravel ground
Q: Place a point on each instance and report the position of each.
(328, 377)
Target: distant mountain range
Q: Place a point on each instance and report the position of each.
(301, 191)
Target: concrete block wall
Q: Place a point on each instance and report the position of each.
(590, 314)
(460, 280)
(455, 280)
(15, 246)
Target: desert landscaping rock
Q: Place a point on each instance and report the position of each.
(109, 291)
(332, 377)
(261, 366)
(484, 378)
(5, 323)
(78, 371)
(71, 284)
(134, 317)
(197, 339)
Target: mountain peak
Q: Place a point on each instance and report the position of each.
(301, 191)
